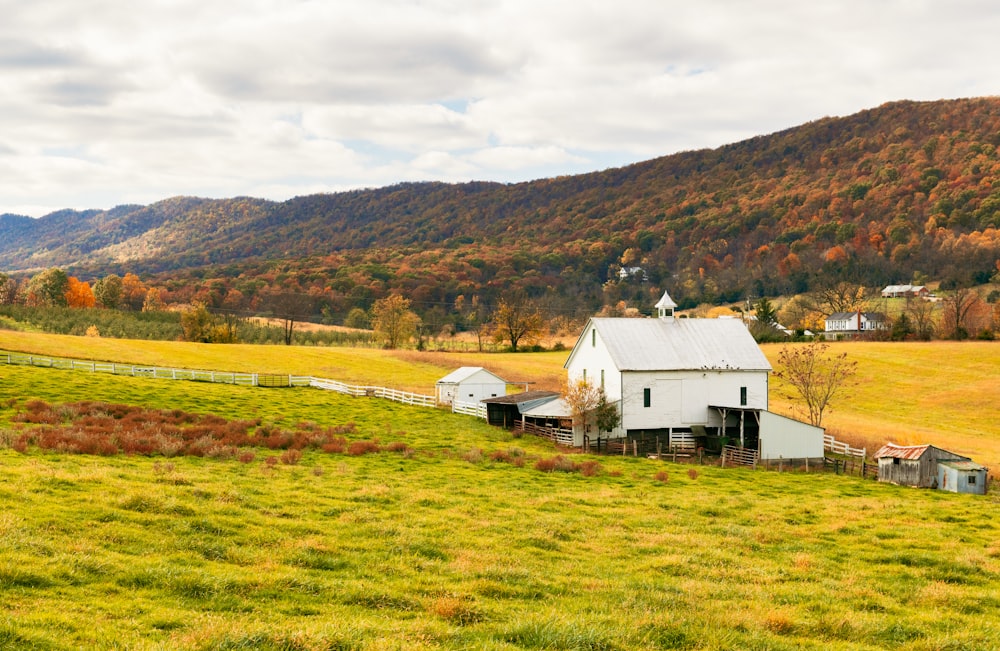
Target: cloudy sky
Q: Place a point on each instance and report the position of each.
(105, 102)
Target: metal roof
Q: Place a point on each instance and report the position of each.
(518, 398)
(963, 465)
(901, 451)
(680, 344)
(554, 408)
(464, 373)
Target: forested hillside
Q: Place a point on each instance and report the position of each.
(875, 197)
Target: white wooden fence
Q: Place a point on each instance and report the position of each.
(831, 444)
(476, 409)
(242, 379)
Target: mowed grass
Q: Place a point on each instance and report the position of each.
(445, 548)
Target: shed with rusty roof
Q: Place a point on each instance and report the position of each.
(912, 465)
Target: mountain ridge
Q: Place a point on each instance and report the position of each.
(904, 188)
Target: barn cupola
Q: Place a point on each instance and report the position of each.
(665, 307)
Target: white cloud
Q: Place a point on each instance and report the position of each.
(104, 103)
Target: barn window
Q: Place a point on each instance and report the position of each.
(584, 375)
(895, 461)
(602, 378)
(743, 396)
(593, 337)
(646, 397)
(972, 480)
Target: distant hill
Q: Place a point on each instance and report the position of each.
(872, 197)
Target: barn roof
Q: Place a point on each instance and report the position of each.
(679, 344)
(901, 451)
(459, 375)
(915, 452)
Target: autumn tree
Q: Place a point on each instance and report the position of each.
(48, 288)
(815, 375)
(78, 293)
(108, 292)
(841, 296)
(517, 319)
(8, 289)
(197, 324)
(393, 320)
(133, 292)
(154, 301)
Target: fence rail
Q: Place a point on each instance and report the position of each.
(554, 434)
(240, 379)
(476, 409)
(831, 444)
(739, 456)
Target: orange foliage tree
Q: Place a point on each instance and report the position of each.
(79, 294)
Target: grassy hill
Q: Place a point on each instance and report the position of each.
(455, 540)
(910, 393)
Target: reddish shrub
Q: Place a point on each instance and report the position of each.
(501, 456)
(271, 462)
(692, 473)
(399, 446)
(246, 456)
(546, 465)
(357, 448)
(661, 477)
(335, 445)
(291, 457)
(590, 468)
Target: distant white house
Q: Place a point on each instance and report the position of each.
(469, 384)
(853, 324)
(681, 380)
(631, 272)
(904, 291)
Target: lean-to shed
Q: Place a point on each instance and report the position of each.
(962, 477)
(507, 411)
(469, 384)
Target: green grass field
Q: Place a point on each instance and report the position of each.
(945, 393)
(455, 546)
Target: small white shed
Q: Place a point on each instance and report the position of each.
(469, 384)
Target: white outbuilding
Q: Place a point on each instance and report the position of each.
(469, 384)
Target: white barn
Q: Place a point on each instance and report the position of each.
(469, 384)
(680, 380)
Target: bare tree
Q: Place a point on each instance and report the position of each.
(816, 375)
(956, 310)
(921, 316)
(290, 307)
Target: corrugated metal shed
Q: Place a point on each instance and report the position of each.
(680, 344)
